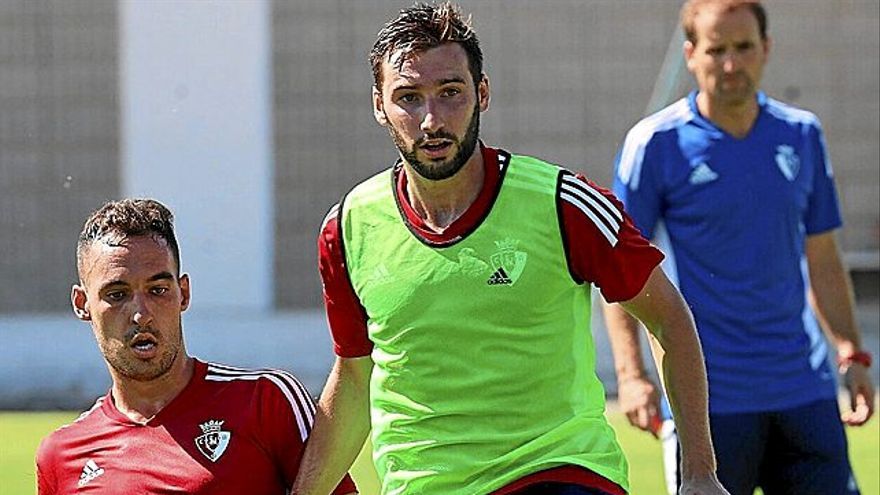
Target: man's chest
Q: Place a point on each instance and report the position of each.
(194, 455)
(740, 183)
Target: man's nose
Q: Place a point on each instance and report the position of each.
(431, 121)
(142, 316)
(730, 62)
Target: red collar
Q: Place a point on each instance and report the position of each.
(471, 217)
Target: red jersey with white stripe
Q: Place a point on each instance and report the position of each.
(230, 431)
(602, 245)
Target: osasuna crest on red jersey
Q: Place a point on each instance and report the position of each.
(213, 441)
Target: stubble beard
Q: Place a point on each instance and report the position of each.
(440, 170)
(132, 368)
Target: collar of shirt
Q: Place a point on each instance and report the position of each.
(471, 217)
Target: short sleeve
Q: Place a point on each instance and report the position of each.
(346, 316)
(603, 246)
(823, 213)
(46, 484)
(636, 182)
(286, 419)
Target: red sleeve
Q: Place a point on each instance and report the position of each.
(604, 247)
(345, 314)
(45, 482)
(286, 419)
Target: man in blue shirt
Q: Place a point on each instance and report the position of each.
(738, 190)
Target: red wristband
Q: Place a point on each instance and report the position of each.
(862, 357)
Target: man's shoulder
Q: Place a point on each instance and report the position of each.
(527, 163)
(270, 390)
(641, 139)
(377, 179)
(379, 186)
(273, 379)
(669, 118)
(219, 372)
(790, 114)
(87, 424)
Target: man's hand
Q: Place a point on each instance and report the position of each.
(861, 395)
(639, 400)
(702, 486)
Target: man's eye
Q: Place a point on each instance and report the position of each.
(407, 98)
(115, 296)
(450, 92)
(159, 290)
(744, 47)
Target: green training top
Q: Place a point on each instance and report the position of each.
(484, 362)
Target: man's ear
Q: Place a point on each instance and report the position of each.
(79, 300)
(483, 93)
(688, 52)
(379, 108)
(183, 282)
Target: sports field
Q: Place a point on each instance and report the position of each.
(20, 434)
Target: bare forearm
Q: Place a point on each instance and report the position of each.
(623, 335)
(833, 300)
(637, 394)
(341, 426)
(831, 295)
(661, 308)
(684, 374)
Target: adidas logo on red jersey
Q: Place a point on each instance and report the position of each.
(90, 471)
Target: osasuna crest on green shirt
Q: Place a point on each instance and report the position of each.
(484, 362)
(508, 262)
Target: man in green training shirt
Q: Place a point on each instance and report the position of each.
(457, 287)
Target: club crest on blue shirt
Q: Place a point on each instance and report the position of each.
(787, 161)
(213, 441)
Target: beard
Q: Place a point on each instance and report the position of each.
(440, 170)
(131, 367)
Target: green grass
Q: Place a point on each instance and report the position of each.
(20, 433)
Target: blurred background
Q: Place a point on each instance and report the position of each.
(250, 118)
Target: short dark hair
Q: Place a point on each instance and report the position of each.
(424, 26)
(691, 8)
(116, 221)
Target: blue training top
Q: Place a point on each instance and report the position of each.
(732, 216)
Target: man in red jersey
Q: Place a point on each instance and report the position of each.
(170, 423)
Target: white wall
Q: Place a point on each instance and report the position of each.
(196, 134)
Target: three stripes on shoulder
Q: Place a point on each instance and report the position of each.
(599, 209)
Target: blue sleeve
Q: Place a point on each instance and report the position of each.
(636, 182)
(823, 212)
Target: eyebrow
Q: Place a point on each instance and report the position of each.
(453, 80)
(442, 82)
(154, 278)
(162, 276)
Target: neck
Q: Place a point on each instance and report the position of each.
(441, 202)
(140, 401)
(736, 119)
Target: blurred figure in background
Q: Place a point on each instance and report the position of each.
(738, 189)
(454, 287)
(170, 423)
